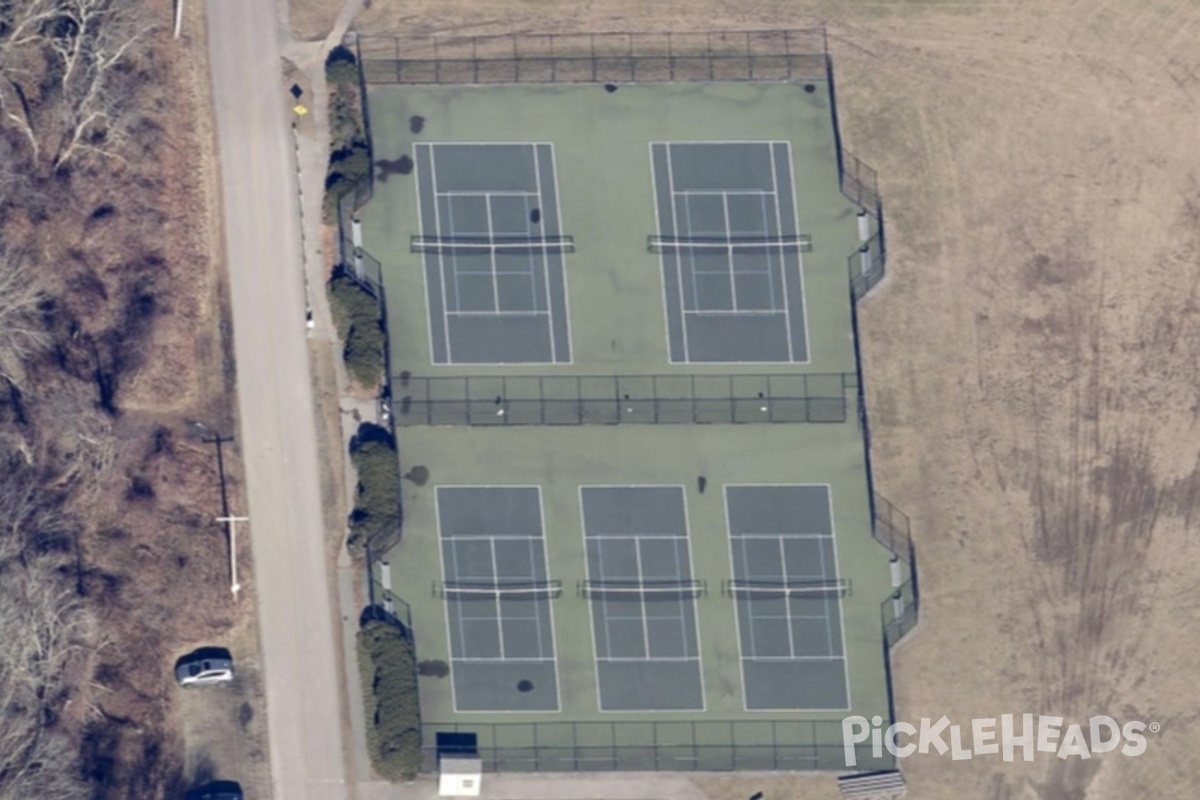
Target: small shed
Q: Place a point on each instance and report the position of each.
(459, 776)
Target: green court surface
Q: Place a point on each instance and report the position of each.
(679, 593)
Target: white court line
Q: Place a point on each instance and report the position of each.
(837, 574)
(481, 660)
(772, 274)
(491, 234)
(484, 193)
(787, 601)
(641, 577)
(662, 258)
(683, 617)
(424, 266)
(715, 313)
(562, 257)
(437, 515)
(636, 536)
(691, 262)
(686, 660)
(550, 605)
(537, 180)
(536, 616)
(737, 616)
(437, 224)
(687, 525)
(790, 659)
(800, 267)
(587, 567)
(783, 534)
(783, 261)
(719, 192)
(496, 576)
(497, 314)
(728, 252)
(678, 261)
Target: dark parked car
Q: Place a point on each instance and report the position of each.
(217, 790)
(204, 667)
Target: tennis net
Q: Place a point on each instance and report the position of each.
(478, 245)
(720, 244)
(494, 591)
(637, 592)
(787, 590)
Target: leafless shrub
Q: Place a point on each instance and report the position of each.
(22, 334)
(64, 73)
(45, 630)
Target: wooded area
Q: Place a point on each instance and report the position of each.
(106, 298)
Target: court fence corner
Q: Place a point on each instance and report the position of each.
(900, 611)
(867, 263)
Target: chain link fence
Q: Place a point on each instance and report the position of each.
(775, 55)
(623, 399)
(708, 745)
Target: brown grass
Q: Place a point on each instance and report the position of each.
(1030, 361)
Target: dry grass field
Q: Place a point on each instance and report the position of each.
(1031, 360)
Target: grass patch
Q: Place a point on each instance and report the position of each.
(388, 665)
(377, 515)
(360, 327)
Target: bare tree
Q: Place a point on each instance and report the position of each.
(61, 83)
(22, 335)
(43, 627)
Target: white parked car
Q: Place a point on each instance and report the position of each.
(204, 667)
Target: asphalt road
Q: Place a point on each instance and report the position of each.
(278, 433)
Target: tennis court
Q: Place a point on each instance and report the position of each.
(497, 594)
(788, 595)
(729, 248)
(642, 592)
(493, 248)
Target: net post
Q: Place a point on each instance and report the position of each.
(553, 60)
(475, 58)
(467, 394)
(654, 395)
(592, 39)
(708, 49)
(516, 61)
(749, 56)
(632, 66)
(437, 62)
(732, 402)
(504, 397)
(695, 408)
(579, 397)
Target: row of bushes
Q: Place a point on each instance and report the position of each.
(356, 314)
(387, 662)
(350, 159)
(376, 517)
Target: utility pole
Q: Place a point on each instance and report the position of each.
(234, 586)
(226, 517)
